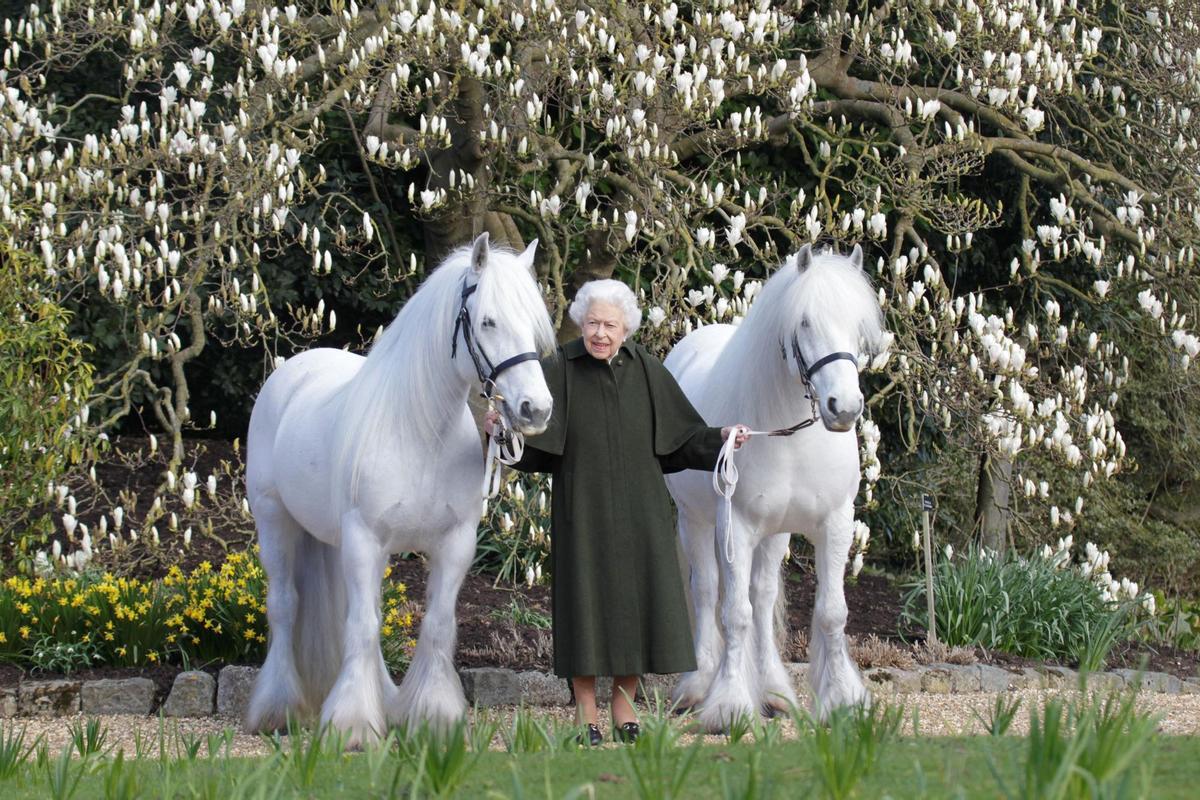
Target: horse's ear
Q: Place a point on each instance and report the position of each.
(804, 258)
(479, 252)
(856, 257)
(528, 255)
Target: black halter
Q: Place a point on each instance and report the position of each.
(806, 373)
(484, 368)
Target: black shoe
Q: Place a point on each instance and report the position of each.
(627, 733)
(594, 737)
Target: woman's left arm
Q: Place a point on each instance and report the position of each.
(683, 440)
(699, 451)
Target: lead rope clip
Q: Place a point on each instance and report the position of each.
(505, 446)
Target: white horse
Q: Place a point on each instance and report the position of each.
(350, 459)
(817, 310)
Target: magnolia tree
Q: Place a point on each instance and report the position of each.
(1024, 175)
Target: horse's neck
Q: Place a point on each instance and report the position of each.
(757, 390)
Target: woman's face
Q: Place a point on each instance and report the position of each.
(603, 329)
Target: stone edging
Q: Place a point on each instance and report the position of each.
(198, 694)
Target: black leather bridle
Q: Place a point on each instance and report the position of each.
(806, 373)
(484, 368)
(805, 370)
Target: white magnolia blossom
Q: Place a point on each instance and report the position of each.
(654, 131)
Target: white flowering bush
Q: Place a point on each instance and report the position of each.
(1022, 173)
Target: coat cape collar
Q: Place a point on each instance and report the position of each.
(575, 348)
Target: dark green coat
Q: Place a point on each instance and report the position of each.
(618, 598)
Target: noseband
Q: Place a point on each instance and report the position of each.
(806, 373)
(484, 368)
(805, 370)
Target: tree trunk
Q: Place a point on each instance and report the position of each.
(993, 514)
(460, 222)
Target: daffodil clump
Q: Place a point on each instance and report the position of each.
(210, 614)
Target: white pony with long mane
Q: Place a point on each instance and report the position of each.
(350, 459)
(792, 358)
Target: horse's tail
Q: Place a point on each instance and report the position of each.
(320, 618)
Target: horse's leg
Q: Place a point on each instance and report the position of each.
(355, 704)
(703, 583)
(278, 691)
(431, 691)
(733, 692)
(774, 682)
(834, 676)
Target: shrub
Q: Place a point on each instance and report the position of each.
(44, 382)
(1038, 607)
(206, 615)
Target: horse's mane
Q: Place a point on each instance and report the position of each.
(408, 387)
(832, 294)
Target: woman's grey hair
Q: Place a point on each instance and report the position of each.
(608, 291)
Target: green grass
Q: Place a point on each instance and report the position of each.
(907, 767)
(1077, 748)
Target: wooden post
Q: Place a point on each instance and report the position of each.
(926, 508)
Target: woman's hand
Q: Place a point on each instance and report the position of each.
(489, 420)
(740, 431)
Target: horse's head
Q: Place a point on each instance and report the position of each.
(838, 313)
(505, 325)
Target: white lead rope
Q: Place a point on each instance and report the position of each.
(507, 453)
(725, 478)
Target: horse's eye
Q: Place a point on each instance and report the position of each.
(488, 322)
(804, 323)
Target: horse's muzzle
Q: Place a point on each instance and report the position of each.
(840, 417)
(530, 418)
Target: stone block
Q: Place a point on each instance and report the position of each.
(1032, 678)
(1151, 681)
(936, 680)
(664, 685)
(8, 701)
(886, 681)
(234, 685)
(1060, 678)
(1162, 682)
(542, 689)
(48, 698)
(1189, 686)
(1105, 682)
(191, 695)
(491, 686)
(964, 678)
(995, 679)
(123, 696)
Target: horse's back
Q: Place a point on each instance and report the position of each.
(692, 359)
(292, 408)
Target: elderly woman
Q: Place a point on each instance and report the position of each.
(620, 421)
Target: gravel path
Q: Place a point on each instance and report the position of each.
(940, 715)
